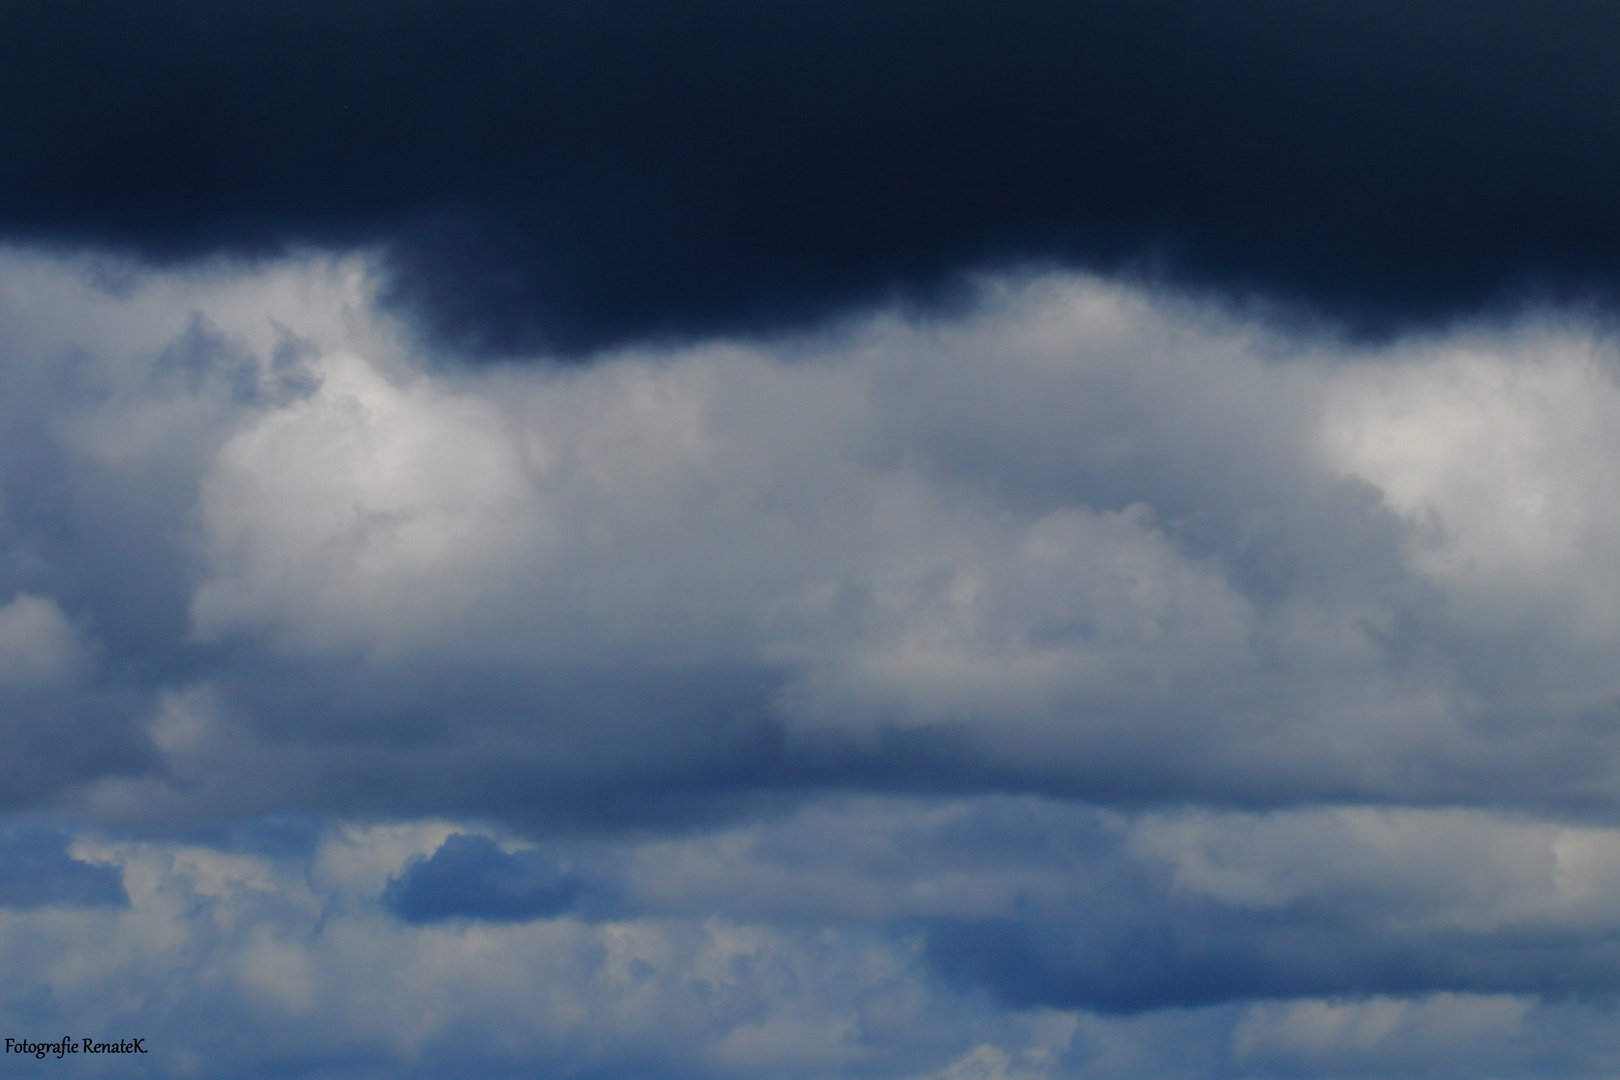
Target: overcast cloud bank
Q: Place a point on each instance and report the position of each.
(585, 173)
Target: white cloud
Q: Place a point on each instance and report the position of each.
(1499, 454)
(368, 512)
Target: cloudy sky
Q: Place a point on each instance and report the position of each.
(811, 539)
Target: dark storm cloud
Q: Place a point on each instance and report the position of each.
(574, 172)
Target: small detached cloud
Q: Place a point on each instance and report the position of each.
(471, 877)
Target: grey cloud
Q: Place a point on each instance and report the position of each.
(1083, 539)
(1325, 904)
(1064, 906)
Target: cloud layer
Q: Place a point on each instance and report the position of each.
(816, 944)
(572, 174)
(1085, 540)
(1093, 682)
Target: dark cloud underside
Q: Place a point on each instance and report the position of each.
(570, 173)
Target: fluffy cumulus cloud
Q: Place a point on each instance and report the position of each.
(1087, 682)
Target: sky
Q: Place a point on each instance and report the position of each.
(701, 540)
